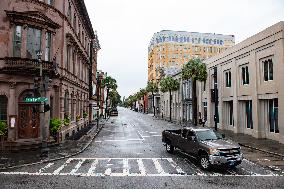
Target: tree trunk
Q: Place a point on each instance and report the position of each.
(153, 103)
(194, 102)
(170, 105)
(106, 109)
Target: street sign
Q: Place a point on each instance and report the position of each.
(36, 99)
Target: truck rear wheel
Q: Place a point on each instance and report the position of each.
(169, 148)
(204, 162)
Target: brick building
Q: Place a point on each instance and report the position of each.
(62, 31)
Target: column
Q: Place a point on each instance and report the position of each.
(12, 110)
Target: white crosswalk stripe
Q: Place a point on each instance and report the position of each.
(108, 167)
(124, 167)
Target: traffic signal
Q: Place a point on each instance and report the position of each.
(46, 107)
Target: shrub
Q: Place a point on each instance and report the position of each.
(85, 114)
(78, 117)
(55, 125)
(3, 128)
(66, 121)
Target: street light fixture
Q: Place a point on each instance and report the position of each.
(44, 149)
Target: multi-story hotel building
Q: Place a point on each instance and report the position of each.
(250, 88)
(172, 49)
(62, 31)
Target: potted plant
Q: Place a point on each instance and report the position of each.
(66, 120)
(78, 117)
(54, 126)
(3, 128)
(85, 114)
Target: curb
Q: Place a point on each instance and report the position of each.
(261, 150)
(59, 158)
(244, 145)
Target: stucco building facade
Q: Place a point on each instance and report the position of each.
(62, 31)
(250, 86)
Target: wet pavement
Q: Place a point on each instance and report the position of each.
(128, 153)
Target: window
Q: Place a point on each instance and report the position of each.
(245, 75)
(273, 115)
(68, 57)
(74, 62)
(228, 79)
(205, 111)
(50, 2)
(231, 121)
(48, 46)
(17, 41)
(33, 42)
(75, 23)
(268, 69)
(248, 106)
(69, 12)
(79, 31)
(66, 104)
(3, 108)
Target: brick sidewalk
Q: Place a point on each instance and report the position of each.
(68, 147)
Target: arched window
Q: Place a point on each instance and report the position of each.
(3, 108)
(74, 62)
(72, 108)
(66, 104)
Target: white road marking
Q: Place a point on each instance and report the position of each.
(56, 172)
(77, 166)
(93, 166)
(45, 167)
(158, 166)
(174, 165)
(125, 167)
(141, 167)
(124, 164)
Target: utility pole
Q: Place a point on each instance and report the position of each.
(43, 86)
(216, 116)
(98, 98)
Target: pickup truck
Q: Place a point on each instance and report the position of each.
(207, 146)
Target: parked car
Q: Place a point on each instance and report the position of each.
(114, 112)
(207, 146)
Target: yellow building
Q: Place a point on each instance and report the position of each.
(172, 49)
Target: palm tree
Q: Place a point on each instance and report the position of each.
(142, 94)
(110, 84)
(152, 88)
(196, 71)
(169, 84)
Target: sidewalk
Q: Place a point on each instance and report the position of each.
(66, 149)
(266, 145)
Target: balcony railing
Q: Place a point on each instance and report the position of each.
(14, 65)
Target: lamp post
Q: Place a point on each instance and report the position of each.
(98, 98)
(44, 149)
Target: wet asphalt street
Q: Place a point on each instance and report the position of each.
(128, 153)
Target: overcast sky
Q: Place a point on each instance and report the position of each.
(125, 28)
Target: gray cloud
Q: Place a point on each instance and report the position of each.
(125, 28)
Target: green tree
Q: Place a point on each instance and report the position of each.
(142, 94)
(196, 71)
(169, 84)
(152, 88)
(114, 98)
(110, 84)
